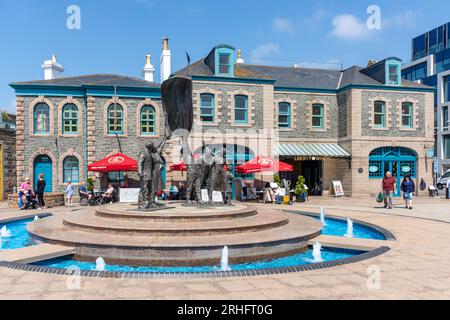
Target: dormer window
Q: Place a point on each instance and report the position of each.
(224, 63)
(393, 74)
(221, 60)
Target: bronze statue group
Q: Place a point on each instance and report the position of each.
(208, 171)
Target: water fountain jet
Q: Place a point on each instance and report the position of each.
(349, 232)
(100, 264)
(224, 261)
(4, 232)
(322, 216)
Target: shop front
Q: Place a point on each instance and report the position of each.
(312, 161)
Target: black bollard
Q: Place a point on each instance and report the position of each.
(447, 193)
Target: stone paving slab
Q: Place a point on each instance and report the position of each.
(35, 253)
(417, 266)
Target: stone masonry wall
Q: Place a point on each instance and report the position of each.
(8, 143)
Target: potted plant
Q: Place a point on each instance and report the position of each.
(277, 180)
(300, 190)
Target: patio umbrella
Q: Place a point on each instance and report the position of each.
(178, 167)
(115, 162)
(264, 164)
(182, 166)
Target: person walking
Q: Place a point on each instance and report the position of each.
(70, 191)
(40, 188)
(388, 185)
(408, 188)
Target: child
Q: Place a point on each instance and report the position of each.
(69, 191)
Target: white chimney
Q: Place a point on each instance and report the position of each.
(239, 57)
(165, 60)
(148, 71)
(52, 69)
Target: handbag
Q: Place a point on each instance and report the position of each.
(380, 197)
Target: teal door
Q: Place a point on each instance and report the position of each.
(43, 164)
(399, 161)
(393, 167)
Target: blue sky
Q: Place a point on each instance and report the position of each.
(115, 35)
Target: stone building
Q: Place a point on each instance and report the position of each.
(350, 125)
(7, 154)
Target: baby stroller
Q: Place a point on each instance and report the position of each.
(29, 201)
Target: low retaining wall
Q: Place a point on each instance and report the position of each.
(53, 199)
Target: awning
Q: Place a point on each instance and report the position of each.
(309, 150)
(115, 162)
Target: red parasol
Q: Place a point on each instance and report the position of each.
(115, 162)
(264, 164)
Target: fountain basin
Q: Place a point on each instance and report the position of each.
(181, 236)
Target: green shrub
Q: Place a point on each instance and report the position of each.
(300, 186)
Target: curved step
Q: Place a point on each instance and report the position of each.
(90, 222)
(178, 213)
(53, 229)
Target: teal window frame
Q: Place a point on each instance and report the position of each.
(408, 115)
(71, 169)
(204, 107)
(115, 122)
(245, 109)
(397, 80)
(317, 116)
(284, 113)
(148, 120)
(403, 156)
(382, 114)
(41, 110)
(224, 65)
(70, 119)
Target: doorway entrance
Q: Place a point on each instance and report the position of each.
(401, 162)
(43, 164)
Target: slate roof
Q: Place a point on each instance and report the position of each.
(308, 78)
(95, 79)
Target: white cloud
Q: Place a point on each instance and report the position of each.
(283, 25)
(316, 18)
(349, 27)
(407, 18)
(330, 64)
(264, 51)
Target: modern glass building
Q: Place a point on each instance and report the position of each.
(430, 65)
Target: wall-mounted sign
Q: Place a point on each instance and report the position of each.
(373, 169)
(406, 169)
(430, 153)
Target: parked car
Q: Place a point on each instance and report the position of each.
(442, 181)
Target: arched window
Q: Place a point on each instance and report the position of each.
(41, 116)
(71, 169)
(70, 119)
(241, 109)
(284, 115)
(115, 119)
(407, 115)
(148, 120)
(207, 107)
(317, 116)
(379, 114)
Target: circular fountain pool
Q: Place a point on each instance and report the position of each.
(291, 263)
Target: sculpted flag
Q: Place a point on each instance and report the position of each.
(176, 95)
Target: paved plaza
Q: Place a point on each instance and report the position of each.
(416, 267)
